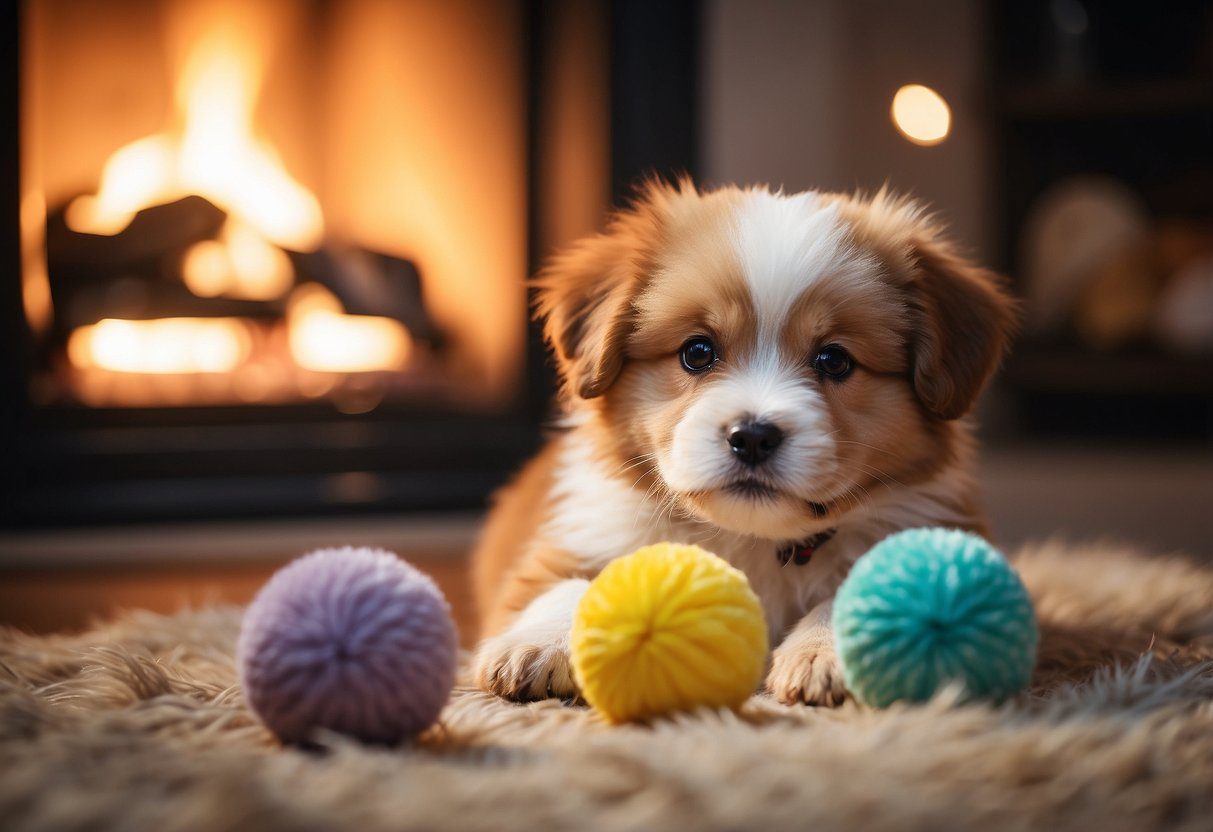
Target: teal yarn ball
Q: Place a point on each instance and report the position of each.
(926, 607)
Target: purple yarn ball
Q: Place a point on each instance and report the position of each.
(352, 640)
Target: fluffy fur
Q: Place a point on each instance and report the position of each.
(139, 724)
(642, 455)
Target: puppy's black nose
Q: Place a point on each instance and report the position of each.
(754, 442)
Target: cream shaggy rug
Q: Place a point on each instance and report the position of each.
(139, 724)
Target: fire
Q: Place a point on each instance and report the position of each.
(161, 346)
(212, 149)
(215, 154)
(240, 264)
(324, 339)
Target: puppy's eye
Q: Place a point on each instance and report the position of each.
(697, 354)
(833, 361)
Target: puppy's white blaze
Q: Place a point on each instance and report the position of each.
(784, 245)
(700, 458)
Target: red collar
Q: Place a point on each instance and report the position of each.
(802, 551)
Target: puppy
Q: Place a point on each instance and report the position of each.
(777, 378)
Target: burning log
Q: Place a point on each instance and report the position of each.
(137, 274)
(152, 233)
(370, 283)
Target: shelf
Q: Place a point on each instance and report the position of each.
(1132, 374)
(1057, 101)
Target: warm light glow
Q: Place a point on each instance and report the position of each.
(424, 187)
(421, 152)
(35, 282)
(216, 154)
(921, 114)
(240, 264)
(160, 346)
(142, 174)
(206, 269)
(324, 339)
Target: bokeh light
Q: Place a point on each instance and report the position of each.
(921, 114)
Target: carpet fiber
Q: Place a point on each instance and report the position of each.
(139, 724)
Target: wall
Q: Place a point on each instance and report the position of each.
(798, 93)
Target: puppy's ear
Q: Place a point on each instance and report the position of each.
(964, 324)
(585, 300)
(961, 319)
(584, 295)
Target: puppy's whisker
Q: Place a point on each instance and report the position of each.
(638, 460)
(864, 445)
(653, 516)
(881, 477)
(885, 477)
(872, 469)
(637, 463)
(636, 481)
(856, 500)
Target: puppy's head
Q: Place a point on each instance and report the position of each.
(768, 362)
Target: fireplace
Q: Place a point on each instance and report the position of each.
(243, 229)
(273, 254)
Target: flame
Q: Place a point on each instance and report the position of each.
(324, 339)
(211, 148)
(240, 264)
(216, 154)
(161, 346)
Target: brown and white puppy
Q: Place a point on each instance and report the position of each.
(778, 378)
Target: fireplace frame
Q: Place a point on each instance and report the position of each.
(75, 466)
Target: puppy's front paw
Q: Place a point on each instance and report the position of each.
(806, 673)
(525, 666)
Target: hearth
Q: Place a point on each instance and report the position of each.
(272, 254)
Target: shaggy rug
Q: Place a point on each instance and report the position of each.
(139, 724)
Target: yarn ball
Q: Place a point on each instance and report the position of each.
(351, 640)
(926, 607)
(667, 628)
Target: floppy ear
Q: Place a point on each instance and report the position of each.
(961, 319)
(963, 325)
(584, 296)
(585, 300)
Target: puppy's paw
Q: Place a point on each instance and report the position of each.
(806, 673)
(525, 666)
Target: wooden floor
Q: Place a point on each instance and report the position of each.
(64, 581)
(51, 600)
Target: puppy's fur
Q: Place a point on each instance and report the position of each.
(643, 454)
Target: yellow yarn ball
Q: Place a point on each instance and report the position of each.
(668, 628)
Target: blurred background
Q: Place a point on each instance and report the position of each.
(266, 258)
